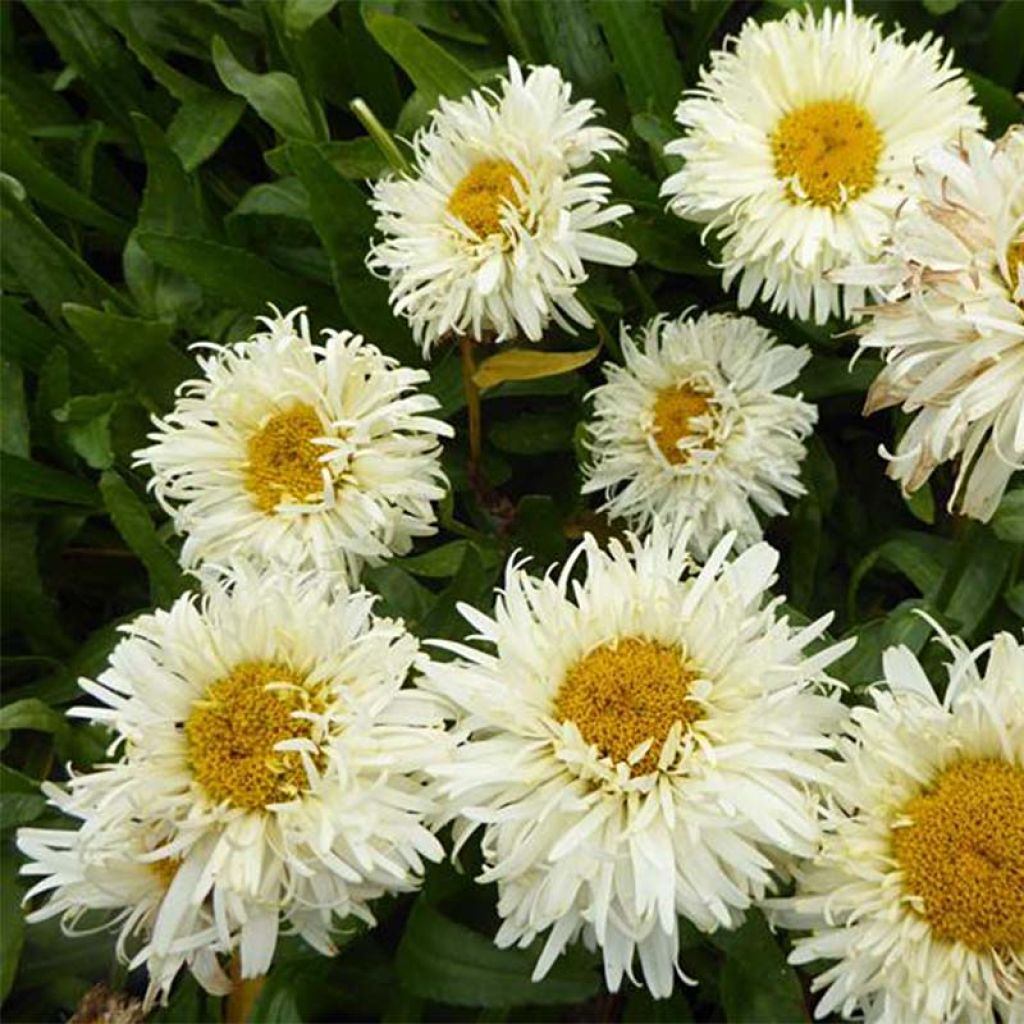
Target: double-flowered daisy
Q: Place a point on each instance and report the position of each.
(799, 144)
(915, 902)
(639, 740)
(299, 454)
(694, 425)
(268, 776)
(489, 233)
(952, 326)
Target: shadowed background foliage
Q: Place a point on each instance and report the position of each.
(171, 167)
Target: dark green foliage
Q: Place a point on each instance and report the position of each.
(168, 170)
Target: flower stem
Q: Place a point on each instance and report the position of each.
(243, 995)
(472, 403)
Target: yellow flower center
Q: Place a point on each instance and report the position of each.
(963, 854)
(478, 199)
(284, 464)
(828, 146)
(233, 730)
(626, 692)
(165, 870)
(674, 410)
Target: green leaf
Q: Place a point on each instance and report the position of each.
(922, 504)
(831, 376)
(573, 41)
(468, 585)
(357, 159)
(535, 433)
(974, 579)
(438, 563)
(131, 518)
(13, 411)
(31, 713)
(668, 243)
(237, 275)
(940, 7)
(49, 269)
(299, 15)
(539, 529)
(202, 123)
(1005, 53)
(138, 353)
(401, 595)
(275, 96)
(86, 420)
(433, 70)
(171, 201)
(12, 923)
(344, 222)
(643, 52)
(283, 198)
(1000, 106)
(1008, 521)
(529, 364)
(921, 557)
(642, 1008)
(26, 479)
(20, 158)
(757, 985)
(441, 960)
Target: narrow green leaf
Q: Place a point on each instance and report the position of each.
(433, 70)
(171, 201)
(138, 353)
(344, 221)
(26, 479)
(12, 921)
(831, 376)
(1008, 522)
(921, 557)
(1005, 53)
(300, 15)
(1000, 106)
(666, 242)
(131, 518)
(357, 159)
(275, 96)
(975, 579)
(643, 52)
(535, 433)
(86, 420)
(441, 960)
(31, 713)
(203, 121)
(13, 411)
(237, 275)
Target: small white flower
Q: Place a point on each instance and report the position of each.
(693, 426)
(298, 454)
(917, 894)
(636, 745)
(952, 326)
(269, 774)
(490, 232)
(799, 145)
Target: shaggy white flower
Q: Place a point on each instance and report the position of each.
(799, 145)
(952, 325)
(917, 893)
(636, 745)
(693, 425)
(269, 774)
(298, 454)
(490, 232)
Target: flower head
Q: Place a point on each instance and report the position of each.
(269, 774)
(298, 454)
(917, 893)
(694, 425)
(490, 233)
(951, 327)
(636, 744)
(799, 145)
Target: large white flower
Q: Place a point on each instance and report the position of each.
(917, 893)
(636, 745)
(799, 145)
(693, 425)
(269, 774)
(952, 325)
(489, 233)
(298, 454)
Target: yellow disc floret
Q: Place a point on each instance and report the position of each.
(284, 464)
(626, 692)
(234, 728)
(1014, 262)
(478, 199)
(165, 869)
(831, 147)
(962, 854)
(674, 411)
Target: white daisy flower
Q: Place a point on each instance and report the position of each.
(490, 232)
(952, 325)
(799, 145)
(693, 425)
(636, 745)
(917, 893)
(298, 454)
(271, 758)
